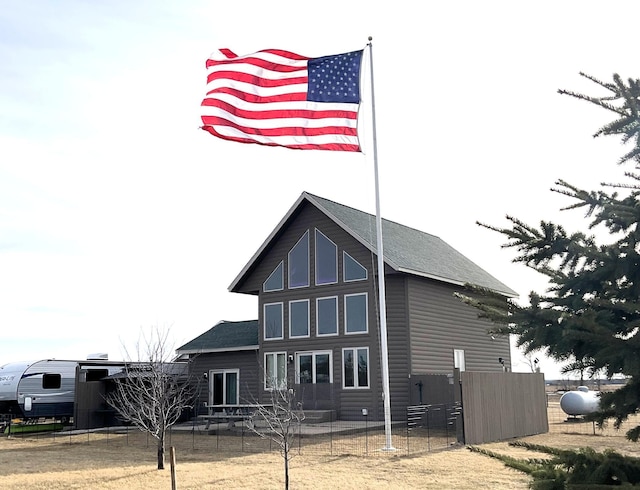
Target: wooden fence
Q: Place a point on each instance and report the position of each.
(500, 406)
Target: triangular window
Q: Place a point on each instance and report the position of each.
(275, 281)
(352, 270)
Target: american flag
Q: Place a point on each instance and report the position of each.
(278, 98)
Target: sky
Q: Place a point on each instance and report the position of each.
(118, 214)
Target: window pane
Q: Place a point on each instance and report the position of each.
(269, 369)
(231, 391)
(273, 321)
(327, 316)
(306, 369)
(275, 282)
(299, 318)
(353, 271)
(355, 313)
(218, 385)
(363, 368)
(299, 263)
(51, 381)
(322, 368)
(282, 371)
(348, 368)
(326, 260)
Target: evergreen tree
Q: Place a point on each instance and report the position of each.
(590, 314)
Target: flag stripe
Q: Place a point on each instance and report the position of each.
(263, 98)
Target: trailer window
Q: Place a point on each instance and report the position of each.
(51, 381)
(96, 374)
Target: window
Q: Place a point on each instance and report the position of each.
(327, 316)
(273, 321)
(299, 263)
(275, 281)
(355, 313)
(458, 359)
(314, 367)
(326, 260)
(299, 318)
(51, 381)
(275, 370)
(355, 367)
(96, 374)
(351, 269)
(223, 387)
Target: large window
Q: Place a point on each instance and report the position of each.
(273, 321)
(275, 281)
(314, 367)
(299, 263)
(275, 370)
(351, 269)
(326, 260)
(223, 387)
(327, 316)
(299, 318)
(355, 367)
(355, 313)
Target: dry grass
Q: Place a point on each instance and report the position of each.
(113, 462)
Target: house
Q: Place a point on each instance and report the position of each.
(316, 280)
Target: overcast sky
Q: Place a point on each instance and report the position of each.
(117, 213)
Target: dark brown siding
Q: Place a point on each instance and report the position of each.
(440, 323)
(398, 342)
(308, 219)
(245, 361)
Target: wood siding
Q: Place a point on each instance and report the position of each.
(440, 323)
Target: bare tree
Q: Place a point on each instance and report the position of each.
(279, 421)
(152, 392)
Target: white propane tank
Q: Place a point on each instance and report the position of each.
(580, 402)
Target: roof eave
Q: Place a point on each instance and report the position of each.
(509, 294)
(221, 349)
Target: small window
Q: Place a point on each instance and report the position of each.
(96, 374)
(458, 359)
(275, 281)
(273, 321)
(355, 313)
(51, 381)
(299, 318)
(355, 367)
(351, 269)
(299, 263)
(327, 316)
(326, 260)
(275, 370)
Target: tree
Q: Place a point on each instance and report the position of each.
(590, 314)
(282, 418)
(152, 392)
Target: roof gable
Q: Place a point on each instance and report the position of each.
(224, 336)
(405, 249)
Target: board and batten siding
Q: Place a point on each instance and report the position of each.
(440, 323)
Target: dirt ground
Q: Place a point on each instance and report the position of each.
(69, 463)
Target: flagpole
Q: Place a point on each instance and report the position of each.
(384, 356)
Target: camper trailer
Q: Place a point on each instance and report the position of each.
(47, 388)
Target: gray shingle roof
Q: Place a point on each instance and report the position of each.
(405, 249)
(409, 250)
(224, 336)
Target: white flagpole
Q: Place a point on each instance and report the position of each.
(384, 356)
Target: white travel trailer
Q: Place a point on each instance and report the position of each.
(47, 388)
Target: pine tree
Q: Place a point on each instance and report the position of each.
(590, 314)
